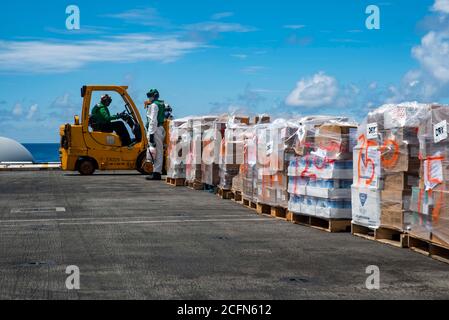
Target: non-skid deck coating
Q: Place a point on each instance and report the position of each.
(134, 239)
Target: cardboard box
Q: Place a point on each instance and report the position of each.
(440, 232)
(333, 209)
(366, 207)
(399, 199)
(335, 141)
(392, 218)
(305, 141)
(337, 193)
(338, 169)
(436, 114)
(282, 198)
(332, 213)
(295, 186)
(295, 202)
(400, 158)
(308, 209)
(428, 148)
(210, 174)
(432, 142)
(400, 181)
(227, 172)
(237, 183)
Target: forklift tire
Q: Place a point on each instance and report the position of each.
(140, 161)
(86, 167)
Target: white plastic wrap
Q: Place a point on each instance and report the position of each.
(320, 176)
(387, 165)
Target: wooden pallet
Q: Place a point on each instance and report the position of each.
(250, 204)
(391, 236)
(428, 248)
(176, 182)
(225, 194)
(237, 196)
(263, 208)
(277, 212)
(194, 185)
(328, 225)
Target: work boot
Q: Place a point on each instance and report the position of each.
(154, 177)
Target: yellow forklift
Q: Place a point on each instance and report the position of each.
(85, 150)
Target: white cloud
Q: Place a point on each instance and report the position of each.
(373, 85)
(433, 54)
(430, 82)
(17, 109)
(142, 16)
(219, 27)
(316, 91)
(441, 6)
(84, 30)
(294, 26)
(239, 56)
(221, 15)
(32, 111)
(60, 56)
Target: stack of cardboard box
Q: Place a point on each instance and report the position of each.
(321, 176)
(248, 171)
(198, 126)
(177, 149)
(429, 218)
(274, 150)
(231, 152)
(211, 145)
(386, 165)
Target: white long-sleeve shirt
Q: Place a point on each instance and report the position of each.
(152, 113)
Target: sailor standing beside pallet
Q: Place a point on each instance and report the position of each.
(156, 132)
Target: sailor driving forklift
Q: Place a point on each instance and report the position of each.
(101, 120)
(156, 133)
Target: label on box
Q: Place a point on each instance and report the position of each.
(371, 131)
(440, 131)
(366, 207)
(433, 173)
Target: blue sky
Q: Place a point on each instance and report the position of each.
(281, 57)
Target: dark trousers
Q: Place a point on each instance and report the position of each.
(120, 129)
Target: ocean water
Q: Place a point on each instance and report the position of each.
(43, 152)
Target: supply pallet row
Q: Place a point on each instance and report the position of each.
(385, 179)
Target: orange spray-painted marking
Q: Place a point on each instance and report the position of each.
(391, 162)
(365, 145)
(437, 209)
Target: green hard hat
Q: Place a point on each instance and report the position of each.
(153, 93)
